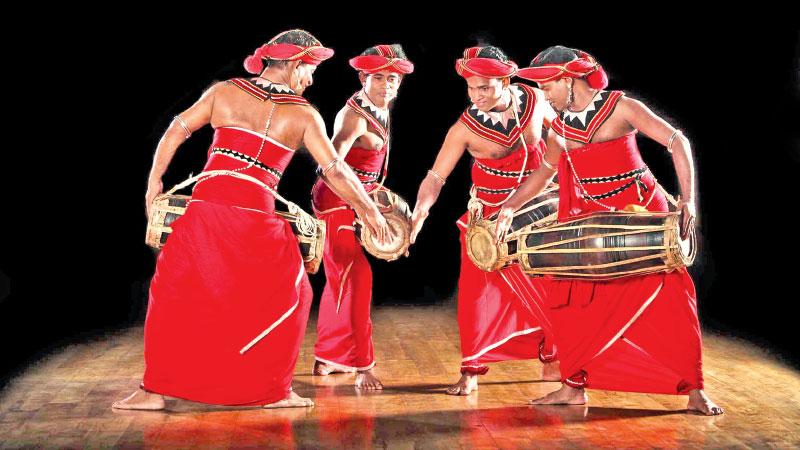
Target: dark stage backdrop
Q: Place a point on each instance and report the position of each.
(82, 269)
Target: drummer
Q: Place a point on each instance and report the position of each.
(229, 299)
(637, 334)
(502, 130)
(361, 136)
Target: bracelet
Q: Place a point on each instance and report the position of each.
(329, 166)
(672, 140)
(184, 126)
(548, 165)
(436, 176)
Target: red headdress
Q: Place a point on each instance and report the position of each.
(583, 66)
(472, 65)
(312, 54)
(386, 59)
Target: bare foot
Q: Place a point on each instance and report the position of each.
(564, 396)
(292, 401)
(367, 380)
(467, 384)
(551, 371)
(141, 400)
(700, 403)
(320, 368)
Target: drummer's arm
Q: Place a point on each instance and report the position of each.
(347, 128)
(340, 176)
(640, 117)
(192, 119)
(455, 143)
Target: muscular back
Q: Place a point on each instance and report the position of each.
(232, 107)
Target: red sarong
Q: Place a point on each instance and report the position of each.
(638, 334)
(230, 272)
(344, 327)
(498, 317)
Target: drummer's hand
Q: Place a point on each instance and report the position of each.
(504, 218)
(154, 187)
(688, 213)
(378, 225)
(417, 219)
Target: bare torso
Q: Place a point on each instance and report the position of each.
(482, 148)
(616, 126)
(232, 107)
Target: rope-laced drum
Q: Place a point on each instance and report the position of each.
(607, 245)
(168, 207)
(398, 216)
(481, 246)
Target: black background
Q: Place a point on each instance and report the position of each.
(74, 265)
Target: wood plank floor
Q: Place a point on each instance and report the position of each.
(64, 401)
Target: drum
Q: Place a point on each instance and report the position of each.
(480, 239)
(609, 245)
(164, 210)
(310, 232)
(398, 215)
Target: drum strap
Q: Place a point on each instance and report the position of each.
(305, 223)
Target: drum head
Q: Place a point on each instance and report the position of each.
(398, 216)
(481, 248)
(397, 247)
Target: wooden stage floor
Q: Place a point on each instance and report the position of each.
(65, 401)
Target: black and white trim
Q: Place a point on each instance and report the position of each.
(248, 159)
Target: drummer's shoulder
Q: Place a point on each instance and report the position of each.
(350, 116)
(213, 90)
(301, 112)
(628, 107)
(458, 131)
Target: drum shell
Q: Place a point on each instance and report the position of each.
(480, 239)
(312, 245)
(167, 208)
(606, 246)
